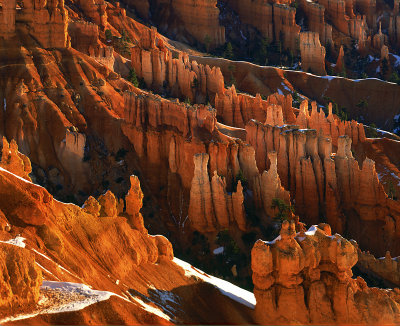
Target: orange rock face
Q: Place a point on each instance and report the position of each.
(20, 279)
(211, 207)
(200, 18)
(312, 53)
(315, 13)
(14, 161)
(47, 22)
(319, 265)
(96, 10)
(188, 80)
(275, 21)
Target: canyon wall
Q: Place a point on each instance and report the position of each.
(200, 19)
(46, 22)
(275, 21)
(96, 10)
(323, 183)
(315, 14)
(312, 53)
(384, 268)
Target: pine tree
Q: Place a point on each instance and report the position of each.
(228, 53)
(132, 77)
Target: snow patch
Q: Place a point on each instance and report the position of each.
(328, 77)
(232, 291)
(311, 230)
(18, 242)
(397, 62)
(149, 308)
(89, 297)
(46, 270)
(273, 241)
(218, 251)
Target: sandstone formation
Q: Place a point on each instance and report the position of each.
(196, 20)
(185, 79)
(322, 183)
(20, 279)
(142, 7)
(394, 30)
(14, 161)
(211, 207)
(275, 21)
(200, 18)
(315, 14)
(134, 202)
(96, 11)
(46, 21)
(310, 272)
(312, 53)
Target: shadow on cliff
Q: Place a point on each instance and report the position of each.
(199, 303)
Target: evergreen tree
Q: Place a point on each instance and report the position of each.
(108, 34)
(207, 42)
(132, 77)
(228, 53)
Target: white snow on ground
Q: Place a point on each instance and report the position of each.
(397, 63)
(311, 230)
(64, 269)
(218, 250)
(18, 241)
(88, 297)
(286, 87)
(46, 270)
(386, 172)
(150, 308)
(273, 241)
(232, 291)
(166, 298)
(328, 77)
(166, 304)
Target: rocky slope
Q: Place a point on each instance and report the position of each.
(104, 246)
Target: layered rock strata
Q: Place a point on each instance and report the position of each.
(327, 184)
(47, 22)
(312, 53)
(211, 207)
(275, 21)
(311, 273)
(201, 19)
(384, 268)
